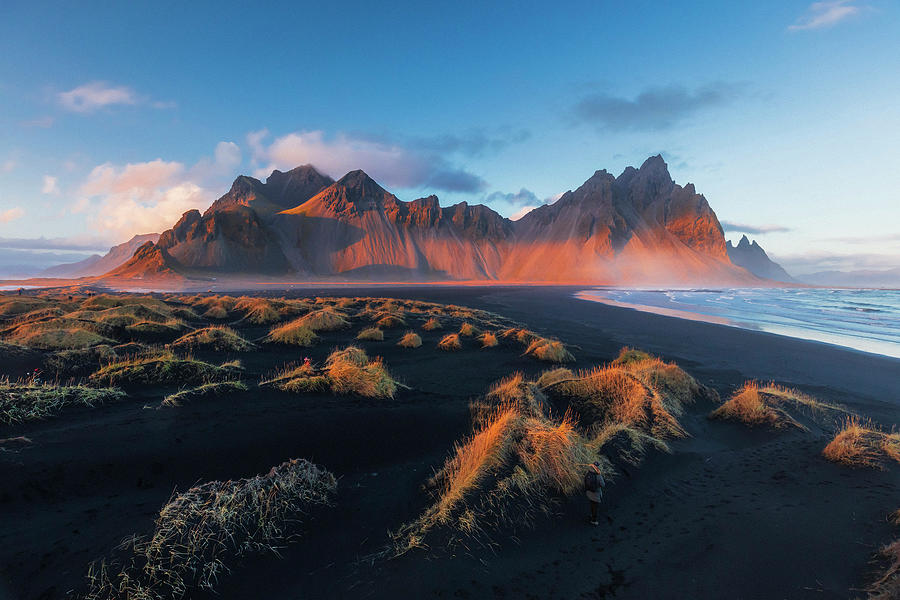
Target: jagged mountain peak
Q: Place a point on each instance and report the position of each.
(638, 227)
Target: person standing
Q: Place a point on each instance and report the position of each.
(593, 489)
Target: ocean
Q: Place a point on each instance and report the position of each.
(862, 319)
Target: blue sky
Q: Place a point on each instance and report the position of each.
(117, 117)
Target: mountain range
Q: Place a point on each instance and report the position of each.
(752, 257)
(639, 227)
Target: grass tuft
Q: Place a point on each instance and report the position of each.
(431, 324)
(346, 371)
(203, 392)
(488, 340)
(216, 338)
(21, 402)
(199, 531)
(450, 343)
(164, 368)
(549, 351)
(371, 334)
(410, 340)
(294, 333)
(863, 444)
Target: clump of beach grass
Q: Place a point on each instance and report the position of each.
(488, 340)
(863, 444)
(24, 401)
(216, 338)
(294, 333)
(162, 368)
(431, 324)
(257, 311)
(508, 471)
(203, 392)
(323, 319)
(410, 339)
(371, 334)
(450, 343)
(468, 330)
(766, 405)
(647, 394)
(549, 351)
(346, 371)
(57, 334)
(390, 321)
(200, 531)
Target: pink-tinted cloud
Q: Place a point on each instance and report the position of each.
(11, 214)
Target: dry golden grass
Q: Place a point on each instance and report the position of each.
(450, 343)
(351, 372)
(258, 311)
(431, 324)
(748, 406)
(549, 351)
(216, 338)
(523, 336)
(156, 328)
(390, 321)
(371, 334)
(887, 587)
(488, 340)
(468, 330)
(863, 444)
(346, 371)
(57, 335)
(163, 368)
(410, 340)
(554, 376)
(11, 305)
(294, 333)
(217, 312)
(24, 401)
(323, 319)
(200, 530)
(508, 470)
(646, 394)
(203, 392)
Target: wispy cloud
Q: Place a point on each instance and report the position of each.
(655, 108)
(393, 164)
(11, 214)
(96, 95)
(825, 14)
(753, 229)
(50, 185)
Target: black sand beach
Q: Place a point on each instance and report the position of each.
(731, 512)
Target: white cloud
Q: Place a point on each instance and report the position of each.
(827, 13)
(120, 201)
(50, 185)
(133, 178)
(11, 214)
(8, 166)
(390, 163)
(95, 95)
(124, 215)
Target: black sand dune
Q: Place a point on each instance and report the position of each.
(732, 512)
